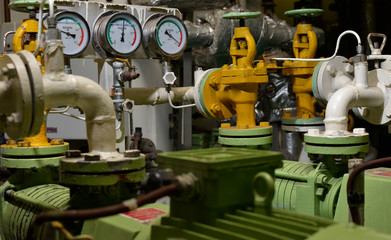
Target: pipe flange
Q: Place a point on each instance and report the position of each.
(250, 136)
(324, 78)
(206, 97)
(92, 169)
(301, 124)
(336, 142)
(23, 110)
(382, 114)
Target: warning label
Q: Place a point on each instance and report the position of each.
(385, 173)
(144, 215)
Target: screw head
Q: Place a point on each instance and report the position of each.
(132, 153)
(73, 153)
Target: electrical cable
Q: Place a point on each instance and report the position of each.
(36, 51)
(324, 59)
(59, 111)
(354, 199)
(178, 107)
(87, 214)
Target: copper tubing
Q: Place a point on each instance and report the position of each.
(86, 214)
(353, 197)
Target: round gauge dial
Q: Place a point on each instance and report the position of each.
(171, 35)
(122, 35)
(75, 33)
(118, 34)
(164, 36)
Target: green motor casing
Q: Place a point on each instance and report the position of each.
(16, 216)
(306, 188)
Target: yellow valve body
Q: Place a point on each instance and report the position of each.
(305, 44)
(234, 89)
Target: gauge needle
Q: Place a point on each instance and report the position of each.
(69, 34)
(123, 32)
(166, 32)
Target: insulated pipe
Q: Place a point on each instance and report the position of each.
(348, 98)
(62, 89)
(153, 95)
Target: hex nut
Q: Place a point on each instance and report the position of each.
(10, 142)
(24, 144)
(169, 78)
(313, 132)
(359, 131)
(73, 153)
(92, 157)
(57, 141)
(132, 153)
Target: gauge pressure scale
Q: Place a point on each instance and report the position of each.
(75, 33)
(165, 36)
(117, 34)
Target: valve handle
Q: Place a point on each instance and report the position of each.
(375, 50)
(305, 12)
(27, 5)
(241, 15)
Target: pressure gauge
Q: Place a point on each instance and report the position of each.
(117, 35)
(165, 36)
(75, 33)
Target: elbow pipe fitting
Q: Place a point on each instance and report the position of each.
(77, 91)
(348, 98)
(61, 89)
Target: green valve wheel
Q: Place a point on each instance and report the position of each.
(308, 12)
(241, 15)
(27, 5)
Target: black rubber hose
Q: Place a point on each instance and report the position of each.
(354, 198)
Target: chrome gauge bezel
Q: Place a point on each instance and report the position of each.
(102, 41)
(151, 37)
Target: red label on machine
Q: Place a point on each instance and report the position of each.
(385, 173)
(144, 215)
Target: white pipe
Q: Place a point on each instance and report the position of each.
(62, 89)
(347, 98)
(361, 74)
(153, 95)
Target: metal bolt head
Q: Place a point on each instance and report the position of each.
(215, 108)
(73, 153)
(92, 157)
(313, 132)
(348, 68)
(57, 142)
(132, 153)
(10, 142)
(359, 131)
(331, 70)
(225, 125)
(24, 144)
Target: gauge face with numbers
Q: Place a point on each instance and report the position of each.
(171, 35)
(123, 34)
(74, 31)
